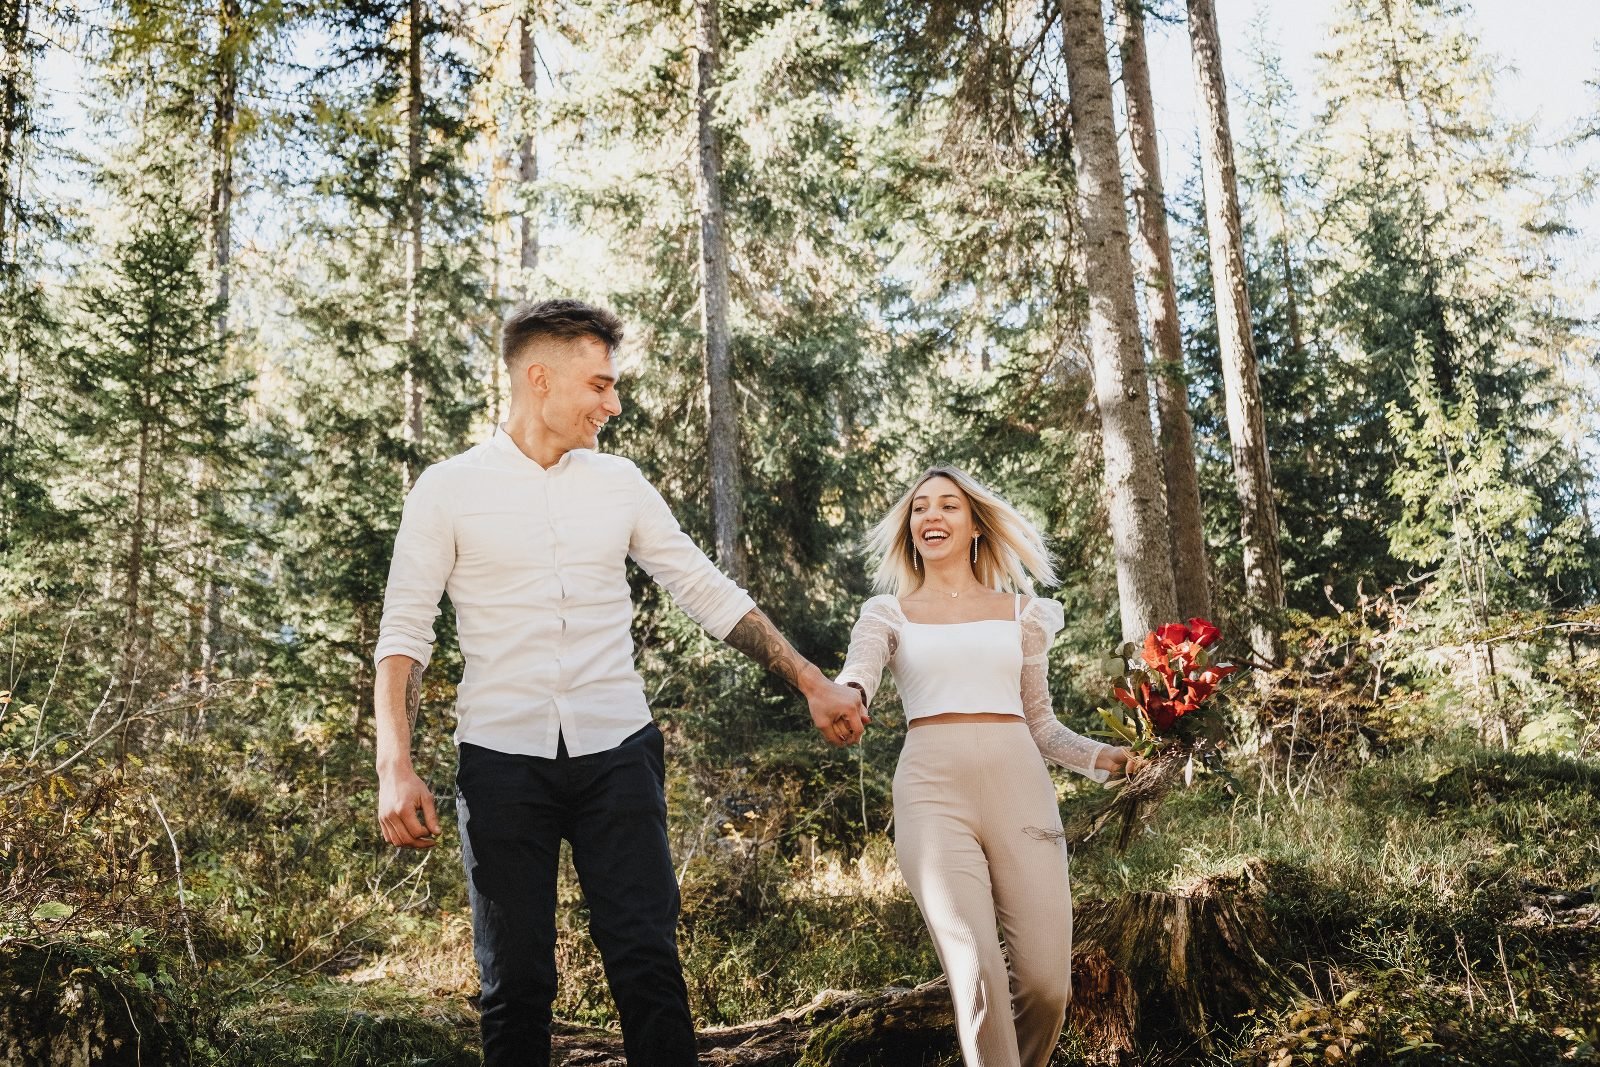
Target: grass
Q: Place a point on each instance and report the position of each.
(1410, 889)
(1417, 894)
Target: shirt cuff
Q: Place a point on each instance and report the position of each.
(722, 623)
(399, 646)
(1095, 773)
(852, 678)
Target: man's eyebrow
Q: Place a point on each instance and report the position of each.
(600, 377)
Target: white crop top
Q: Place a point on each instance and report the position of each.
(997, 666)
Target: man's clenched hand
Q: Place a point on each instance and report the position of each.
(405, 810)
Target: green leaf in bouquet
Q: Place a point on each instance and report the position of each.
(1188, 772)
(1113, 665)
(1119, 725)
(1128, 650)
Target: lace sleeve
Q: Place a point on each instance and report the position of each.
(873, 641)
(1041, 621)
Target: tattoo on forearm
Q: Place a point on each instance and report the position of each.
(756, 637)
(414, 693)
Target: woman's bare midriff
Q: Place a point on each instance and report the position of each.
(964, 717)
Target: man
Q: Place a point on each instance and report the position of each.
(529, 533)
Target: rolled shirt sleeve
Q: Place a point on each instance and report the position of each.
(660, 546)
(424, 553)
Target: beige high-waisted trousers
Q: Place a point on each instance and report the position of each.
(965, 798)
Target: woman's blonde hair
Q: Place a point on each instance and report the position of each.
(1011, 553)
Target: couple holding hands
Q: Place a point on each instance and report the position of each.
(529, 533)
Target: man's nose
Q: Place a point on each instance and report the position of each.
(613, 405)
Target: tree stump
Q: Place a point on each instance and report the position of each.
(1196, 959)
(77, 1008)
(1104, 1009)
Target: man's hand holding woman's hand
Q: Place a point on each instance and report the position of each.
(839, 712)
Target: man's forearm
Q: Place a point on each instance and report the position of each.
(758, 638)
(397, 694)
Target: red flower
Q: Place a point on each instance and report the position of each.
(1203, 633)
(1172, 683)
(1162, 715)
(1154, 655)
(1174, 633)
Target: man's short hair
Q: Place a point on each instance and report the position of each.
(557, 320)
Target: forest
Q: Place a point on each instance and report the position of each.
(1336, 390)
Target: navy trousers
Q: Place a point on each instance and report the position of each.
(611, 806)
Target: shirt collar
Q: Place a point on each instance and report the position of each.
(501, 442)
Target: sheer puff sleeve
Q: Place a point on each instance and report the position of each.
(873, 641)
(1041, 620)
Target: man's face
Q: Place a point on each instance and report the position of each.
(582, 394)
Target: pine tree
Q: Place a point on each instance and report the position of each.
(809, 352)
(1320, 550)
(388, 292)
(29, 320)
(1430, 239)
(16, 122)
(151, 400)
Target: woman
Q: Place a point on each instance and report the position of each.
(967, 645)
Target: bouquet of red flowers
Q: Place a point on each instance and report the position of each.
(1175, 725)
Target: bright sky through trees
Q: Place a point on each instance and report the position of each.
(1549, 62)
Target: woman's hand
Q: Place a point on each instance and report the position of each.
(1119, 760)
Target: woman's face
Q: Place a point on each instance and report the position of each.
(941, 520)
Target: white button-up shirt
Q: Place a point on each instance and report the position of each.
(533, 560)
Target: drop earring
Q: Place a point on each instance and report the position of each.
(975, 548)
(916, 564)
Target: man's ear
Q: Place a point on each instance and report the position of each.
(537, 376)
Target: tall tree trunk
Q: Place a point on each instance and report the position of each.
(14, 18)
(224, 130)
(411, 431)
(723, 420)
(134, 565)
(1186, 527)
(1263, 575)
(1138, 513)
(527, 150)
(1291, 297)
(496, 289)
